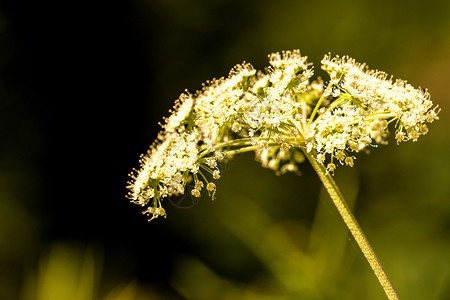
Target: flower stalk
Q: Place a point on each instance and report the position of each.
(353, 226)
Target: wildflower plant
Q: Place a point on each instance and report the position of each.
(285, 117)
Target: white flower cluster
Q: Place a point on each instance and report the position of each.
(363, 103)
(282, 116)
(164, 168)
(220, 104)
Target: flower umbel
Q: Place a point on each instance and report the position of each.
(279, 114)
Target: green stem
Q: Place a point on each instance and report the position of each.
(237, 142)
(353, 226)
(374, 116)
(241, 141)
(242, 150)
(319, 103)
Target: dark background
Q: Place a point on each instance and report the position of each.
(82, 89)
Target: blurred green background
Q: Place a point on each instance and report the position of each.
(82, 89)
